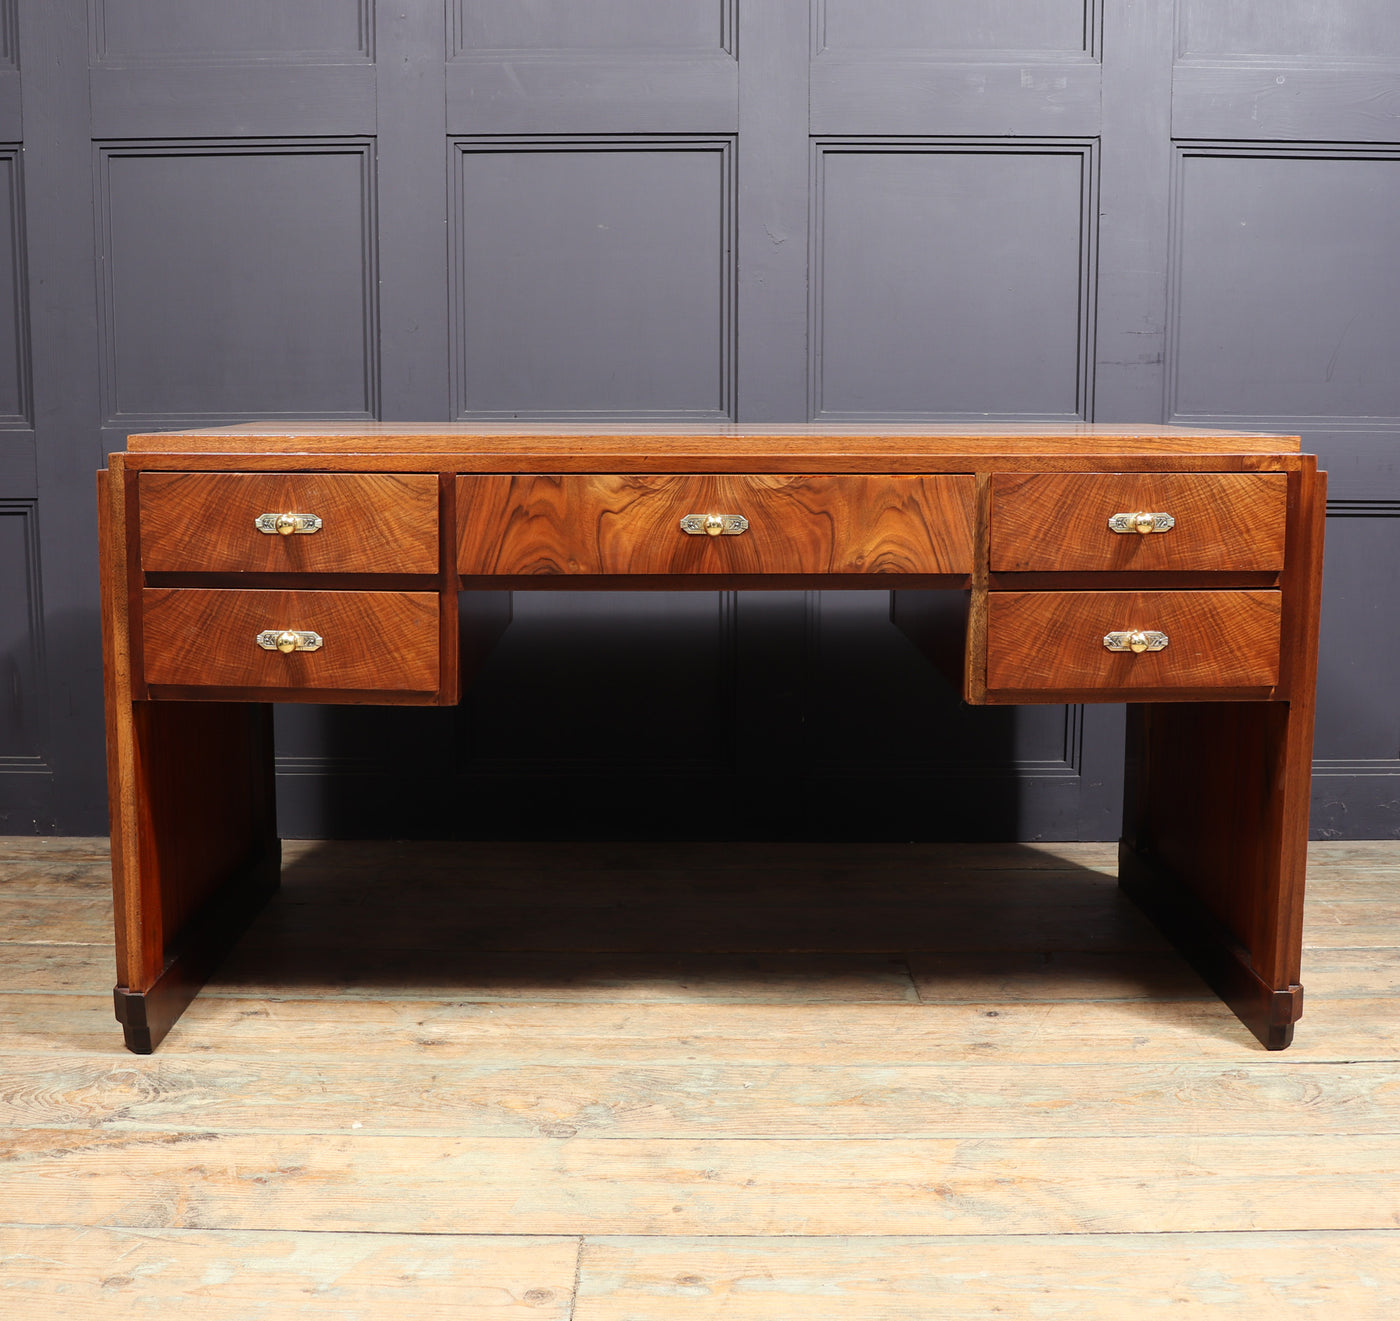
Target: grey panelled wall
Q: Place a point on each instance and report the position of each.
(771, 210)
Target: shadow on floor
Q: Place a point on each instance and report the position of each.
(704, 922)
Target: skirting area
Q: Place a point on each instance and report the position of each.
(671, 1082)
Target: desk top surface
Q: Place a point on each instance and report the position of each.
(709, 442)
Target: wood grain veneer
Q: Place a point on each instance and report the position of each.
(373, 640)
(372, 522)
(565, 524)
(1006, 524)
(1054, 640)
(1059, 521)
(1215, 818)
(704, 444)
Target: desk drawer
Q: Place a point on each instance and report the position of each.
(621, 524)
(204, 522)
(1060, 521)
(1055, 640)
(374, 641)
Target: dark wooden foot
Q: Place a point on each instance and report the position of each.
(146, 1016)
(1210, 949)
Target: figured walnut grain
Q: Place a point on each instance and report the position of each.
(372, 522)
(565, 524)
(1059, 521)
(1054, 640)
(372, 640)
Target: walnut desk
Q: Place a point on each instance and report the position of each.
(1177, 571)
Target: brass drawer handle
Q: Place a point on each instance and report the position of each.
(1141, 522)
(714, 525)
(1136, 640)
(288, 640)
(285, 524)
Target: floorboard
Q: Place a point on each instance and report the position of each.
(635, 1082)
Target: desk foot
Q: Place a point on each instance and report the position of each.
(146, 1016)
(1205, 943)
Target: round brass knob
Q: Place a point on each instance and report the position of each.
(714, 525)
(1143, 523)
(1137, 641)
(286, 641)
(286, 524)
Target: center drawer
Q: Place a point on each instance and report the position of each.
(208, 522)
(590, 523)
(370, 641)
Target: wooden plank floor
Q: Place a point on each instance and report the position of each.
(757, 1082)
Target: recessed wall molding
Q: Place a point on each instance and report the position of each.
(135, 33)
(16, 366)
(1374, 766)
(214, 309)
(1363, 509)
(9, 35)
(593, 277)
(581, 66)
(1290, 70)
(207, 68)
(1285, 253)
(561, 29)
(958, 30)
(852, 644)
(22, 650)
(901, 232)
(1007, 769)
(1300, 31)
(1029, 69)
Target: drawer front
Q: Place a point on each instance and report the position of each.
(380, 641)
(593, 524)
(194, 522)
(1055, 640)
(1060, 521)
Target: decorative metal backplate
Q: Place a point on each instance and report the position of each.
(1124, 641)
(306, 641)
(304, 523)
(1125, 523)
(731, 524)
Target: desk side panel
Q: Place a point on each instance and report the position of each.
(194, 836)
(1216, 809)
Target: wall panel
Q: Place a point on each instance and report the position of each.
(649, 683)
(616, 25)
(905, 200)
(14, 309)
(1291, 70)
(593, 277)
(239, 280)
(1301, 30)
(9, 73)
(21, 644)
(1017, 67)
(1356, 769)
(219, 68)
(592, 66)
(910, 718)
(140, 31)
(938, 291)
(1287, 291)
(1024, 26)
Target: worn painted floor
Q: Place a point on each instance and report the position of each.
(666, 1083)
